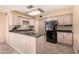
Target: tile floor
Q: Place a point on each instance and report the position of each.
(7, 49)
(51, 48)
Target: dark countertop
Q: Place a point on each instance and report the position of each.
(64, 28)
(27, 33)
(67, 31)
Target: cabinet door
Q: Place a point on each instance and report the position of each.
(11, 39)
(40, 45)
(60, 38)
(17, 41)
(21, 42)
(60, 20)
(30, 45)
(67, 19)
(15, 20)
(68, 38)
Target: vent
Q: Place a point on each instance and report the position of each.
(30, 7)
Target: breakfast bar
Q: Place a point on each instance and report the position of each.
(27, 42)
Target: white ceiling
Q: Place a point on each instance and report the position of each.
(23, 8)
(48, 8)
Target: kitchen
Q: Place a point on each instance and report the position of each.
(23, 37)
(33, 35)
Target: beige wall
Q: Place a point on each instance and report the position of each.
(59, 12)
(2, 27)
(76, 28)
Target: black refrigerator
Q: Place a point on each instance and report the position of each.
(51, 31)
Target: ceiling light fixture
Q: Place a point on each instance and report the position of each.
(35, 12)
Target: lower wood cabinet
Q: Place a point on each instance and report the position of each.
(22, 43)
(40, 45)
(64, 37)
(26, 44)
(60, 38)
(68, 38)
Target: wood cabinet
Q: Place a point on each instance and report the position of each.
(40, 45)
(67, 19)
(22, 43)
(65, 38)
(14, 20)
(60, 37)
(68, 38)
(26, 44)
(64, 19)
(60, 20)
(18, 42)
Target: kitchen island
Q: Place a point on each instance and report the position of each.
(27, 43)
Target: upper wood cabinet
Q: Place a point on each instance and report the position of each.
(67, 19)
(64, 19)
(15, 20)
(60, 20)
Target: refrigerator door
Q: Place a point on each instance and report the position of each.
(49, 26)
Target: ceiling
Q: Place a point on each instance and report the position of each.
(24, 9)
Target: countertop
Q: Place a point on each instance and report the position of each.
(67, 29)
(27, 33)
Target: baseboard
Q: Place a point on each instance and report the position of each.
(75, 50)
(15, 48)
(64, 44)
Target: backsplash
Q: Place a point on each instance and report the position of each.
(64, 27)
